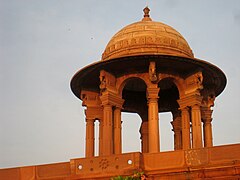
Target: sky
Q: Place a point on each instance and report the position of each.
(44, 43)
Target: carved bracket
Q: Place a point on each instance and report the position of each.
(152, 72)
(107, 81)
(90, 99)
(208, 102)
(194, 83)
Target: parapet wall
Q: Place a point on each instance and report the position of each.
(219, 162)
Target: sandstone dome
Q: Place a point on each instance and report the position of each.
(147, 37)
(133, 48)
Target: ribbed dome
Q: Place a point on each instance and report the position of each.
(147, 37)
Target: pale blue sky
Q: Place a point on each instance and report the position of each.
(43, 43)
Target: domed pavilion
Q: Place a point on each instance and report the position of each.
(147, 68)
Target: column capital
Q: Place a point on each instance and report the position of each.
(119, 104)
(90, 120)
(184, 108)
(94, 112)
(110, 98)
(207, 121)
(152, 92)
(206, 112)
(190, 100)
(195, 106)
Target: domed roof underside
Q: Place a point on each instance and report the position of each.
(147, 38)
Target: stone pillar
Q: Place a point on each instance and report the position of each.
(107, 142)
(196, 127)
(144, 136)
(185, 129)
(177, 129)
(207, 127)
(100, 151)
(117, 131)
(93, 111)
(89, 138)
(153, 127)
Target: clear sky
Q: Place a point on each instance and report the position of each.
(43, 43)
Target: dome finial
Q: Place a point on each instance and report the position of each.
(146, 11)
(146, 16)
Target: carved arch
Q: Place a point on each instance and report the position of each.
(178, 81)
(121, 81)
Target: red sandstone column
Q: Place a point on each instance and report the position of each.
(100, 138)
(196, 127)
(107, 145)
(176, 123)
(207, 128)
(144, 136)
(153, 127)
(89, 138)
(185, 129)
(117, 131)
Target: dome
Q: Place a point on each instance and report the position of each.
(133, 48)
(147, 37)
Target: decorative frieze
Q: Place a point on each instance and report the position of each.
(149, 40)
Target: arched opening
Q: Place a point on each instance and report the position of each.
(169, 114)
(135, 105)
(130, 134)
(166, 133)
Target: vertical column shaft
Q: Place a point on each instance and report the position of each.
(100, 138)
(144, 136)
(177, 140)
(185, 129)
(89, 138)
(153, 127)
(207, 129)
(208, 142)
(107, 145)
(196, 127)
(176, 123)
(117, 131)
